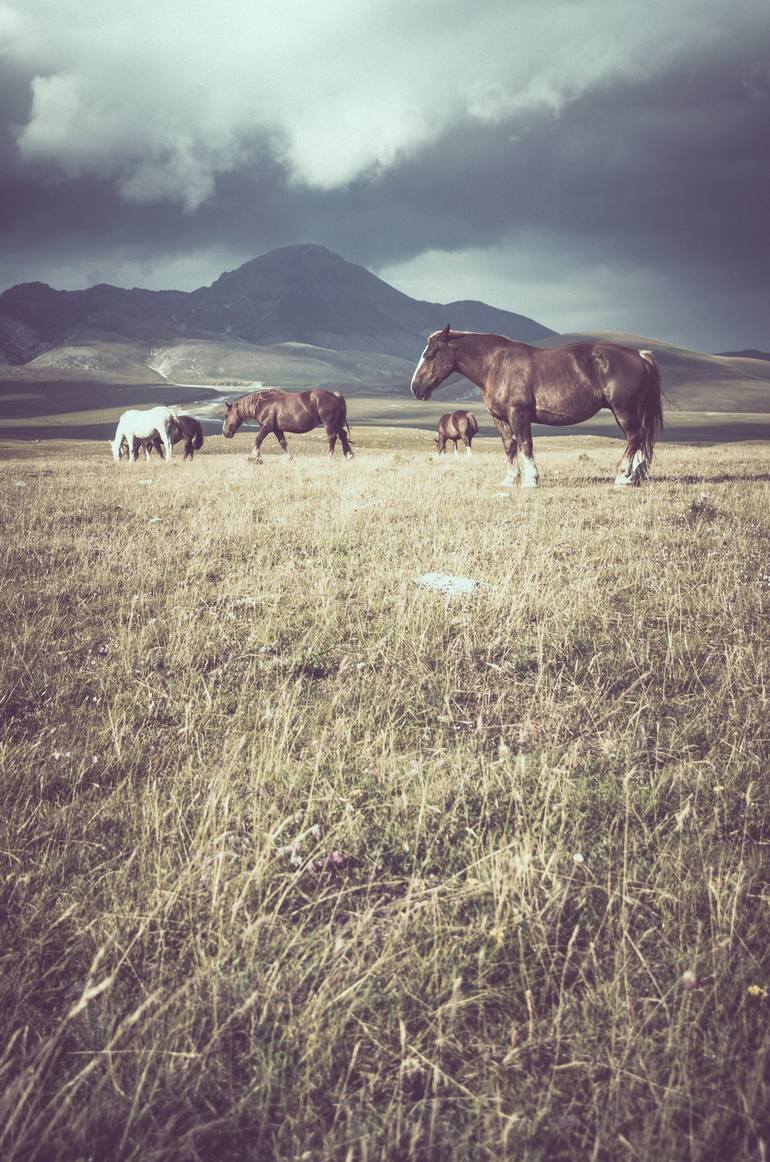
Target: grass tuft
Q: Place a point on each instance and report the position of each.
(300, 860)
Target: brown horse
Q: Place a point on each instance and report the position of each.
(456, 426)
(290, 411)
(521, 385)
(186, 428)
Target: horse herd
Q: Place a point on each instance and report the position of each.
(519, 384)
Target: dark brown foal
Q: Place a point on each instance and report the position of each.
(456, 426)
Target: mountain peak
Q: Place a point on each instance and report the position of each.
(306, 255)
(303, 294)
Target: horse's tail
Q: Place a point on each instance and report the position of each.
(198, 436)
(650, 407)
(343, 401)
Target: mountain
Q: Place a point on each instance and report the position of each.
(293, 295)
(297, 316)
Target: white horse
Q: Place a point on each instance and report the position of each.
(141, 425)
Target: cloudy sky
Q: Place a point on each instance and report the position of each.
(595, 164)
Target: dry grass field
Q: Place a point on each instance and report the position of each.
(303, 862)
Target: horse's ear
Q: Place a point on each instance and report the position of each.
(445, 332)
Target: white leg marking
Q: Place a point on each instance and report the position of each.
(638, 467)
(530, 477)
(631, 472)
(467, 450)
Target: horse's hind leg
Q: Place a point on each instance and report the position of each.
(281, 440)
(509, 443)
(522, 430)
(331, 436)
(632, 467)
(467, 442)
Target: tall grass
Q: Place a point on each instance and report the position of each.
(301, 861)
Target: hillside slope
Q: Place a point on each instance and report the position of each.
(297, 316)
(692, 380)
(303, 294)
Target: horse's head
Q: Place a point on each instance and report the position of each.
(232, 421)
(437, 362)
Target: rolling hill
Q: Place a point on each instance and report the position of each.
(692, 380)
(296, 316)
(249, 319)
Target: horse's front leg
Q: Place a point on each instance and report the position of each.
(331, 436)
(509, 443)
(168, 447)
(522, 431)
(256, 454)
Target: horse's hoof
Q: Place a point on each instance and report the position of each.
(348, 455)
(530, 484)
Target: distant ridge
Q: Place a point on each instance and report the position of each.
(752, 353)
(295, 294)
(300, 316)
(693, 380)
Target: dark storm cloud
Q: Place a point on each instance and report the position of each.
(565, 159)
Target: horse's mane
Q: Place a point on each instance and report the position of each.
(245, 406)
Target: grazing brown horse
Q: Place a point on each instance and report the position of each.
(521, 385)
(290, 411)
(456, 426)
(186, 428)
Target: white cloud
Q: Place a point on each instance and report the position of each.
(167, 97)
